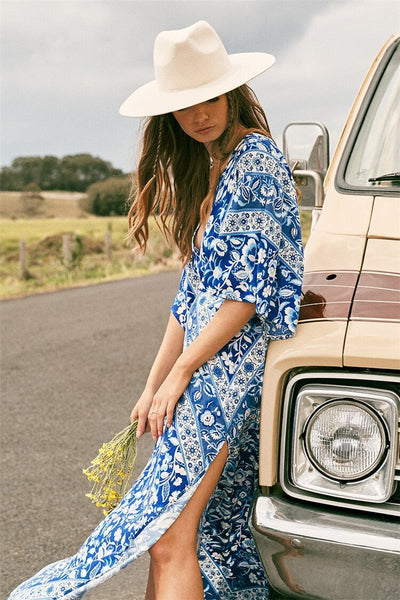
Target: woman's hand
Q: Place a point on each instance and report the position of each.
(165, 399)
(140, 412)
(151, 409)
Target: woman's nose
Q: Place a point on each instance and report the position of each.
(199, 112)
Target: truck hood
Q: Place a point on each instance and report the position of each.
(367, 299)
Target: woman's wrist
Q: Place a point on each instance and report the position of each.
(150, 388)
(184, 366)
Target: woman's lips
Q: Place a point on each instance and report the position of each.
(204, 129)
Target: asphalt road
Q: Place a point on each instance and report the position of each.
(72, 365)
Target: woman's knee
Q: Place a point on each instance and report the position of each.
(171, 548)
(161, 552)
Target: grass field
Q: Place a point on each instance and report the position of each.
(46, 269)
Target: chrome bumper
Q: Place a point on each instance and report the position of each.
(312, 553)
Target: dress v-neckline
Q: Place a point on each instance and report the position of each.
(198, 248)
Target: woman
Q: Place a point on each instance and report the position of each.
(212, 174)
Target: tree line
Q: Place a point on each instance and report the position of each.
(75, 172)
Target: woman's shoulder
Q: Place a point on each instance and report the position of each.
(258, 152)
(259, 143)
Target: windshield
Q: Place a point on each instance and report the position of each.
(376, 151)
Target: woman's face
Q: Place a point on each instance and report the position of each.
(204, 122)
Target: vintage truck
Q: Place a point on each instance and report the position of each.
(326, 520)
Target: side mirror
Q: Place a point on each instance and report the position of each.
(306, 147)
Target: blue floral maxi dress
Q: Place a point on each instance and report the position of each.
(251, 251)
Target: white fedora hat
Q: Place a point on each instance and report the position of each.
(191, 66)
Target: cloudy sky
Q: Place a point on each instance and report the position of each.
(67, 65)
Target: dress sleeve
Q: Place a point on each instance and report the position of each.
(256, 256)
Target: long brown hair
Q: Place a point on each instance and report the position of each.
(174, 171)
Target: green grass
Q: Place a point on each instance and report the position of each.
(46, 270)
(32, 230)
(305, 216)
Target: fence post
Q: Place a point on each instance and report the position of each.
(107, 243)
(66, 250)
(22, 260)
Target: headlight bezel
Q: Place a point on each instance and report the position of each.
(350, 402)
(378, 394)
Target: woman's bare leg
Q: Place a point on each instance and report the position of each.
(174, 568)
(150, 591)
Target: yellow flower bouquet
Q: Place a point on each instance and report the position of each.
(112, 469)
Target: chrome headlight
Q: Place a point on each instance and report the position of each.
(340, 444)
(345, 440)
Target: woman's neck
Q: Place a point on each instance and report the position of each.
(237, 135)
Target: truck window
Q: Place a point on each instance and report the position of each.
(374, 158)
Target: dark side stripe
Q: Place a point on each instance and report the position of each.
(338, 296)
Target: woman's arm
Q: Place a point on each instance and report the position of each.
(170, 349)
(227, 321)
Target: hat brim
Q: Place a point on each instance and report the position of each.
(148, 100)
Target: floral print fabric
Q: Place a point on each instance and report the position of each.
(251, 251)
